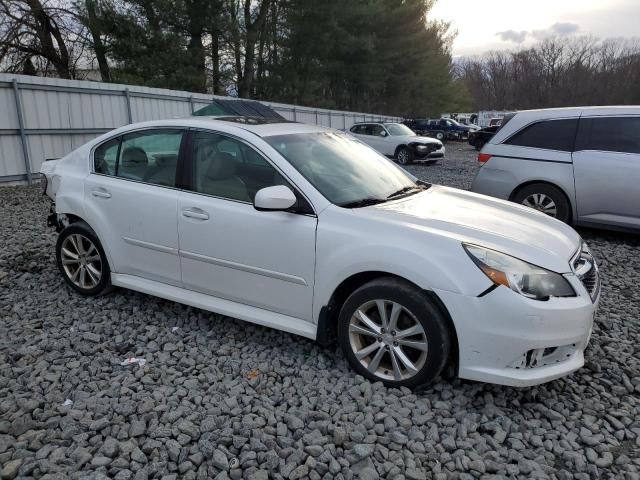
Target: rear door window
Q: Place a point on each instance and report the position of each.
(549, 134)
(609, 134)
(149, 156)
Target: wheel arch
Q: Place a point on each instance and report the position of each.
(72, 218)
(328, 317)
(398, 147)
(572, 207)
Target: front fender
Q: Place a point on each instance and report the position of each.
(427, 260)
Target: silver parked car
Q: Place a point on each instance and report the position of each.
(579, 165)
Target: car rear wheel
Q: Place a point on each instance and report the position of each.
(82, 261)
(546, 199)
(404, 156)
(440, 136)
(391, 331)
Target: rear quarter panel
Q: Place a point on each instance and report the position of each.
(511, 167)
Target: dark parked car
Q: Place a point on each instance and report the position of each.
(479, 137)
(441, 128)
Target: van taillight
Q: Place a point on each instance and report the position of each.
(484, 157)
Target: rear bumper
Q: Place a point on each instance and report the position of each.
(507, 339)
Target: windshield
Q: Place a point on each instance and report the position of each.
(344, 170)
(397, 129)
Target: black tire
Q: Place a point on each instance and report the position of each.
(404, 156)
(81, 229)
(525, 196)
(423, 309)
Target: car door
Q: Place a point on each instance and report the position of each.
(363, 133)
(379, 139)
(131, 203)
(606, 164)
(229, 249)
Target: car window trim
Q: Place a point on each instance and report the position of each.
(536, 122)
(119, 137)
(183, 172)
(594, 117)
(189, 161)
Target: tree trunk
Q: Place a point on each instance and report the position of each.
(197, 15)
(252, 30)
(215, 60)
(98, 46)
(47, 31)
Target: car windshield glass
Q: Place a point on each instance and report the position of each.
(454, 122)
(347, 172)
(397, 129)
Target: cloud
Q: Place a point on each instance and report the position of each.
(558, 29)
(513, 36)
(564, 28)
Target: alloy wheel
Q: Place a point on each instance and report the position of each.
(403, 157)
(81, 261)
(388, 340)
(541, 202)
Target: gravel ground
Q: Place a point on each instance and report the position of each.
(219, 398)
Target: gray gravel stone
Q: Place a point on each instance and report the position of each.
(220, 460)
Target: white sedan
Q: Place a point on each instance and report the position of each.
(398, 141)
(307, 230)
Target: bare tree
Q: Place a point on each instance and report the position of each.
(35, 33)
(554, 73)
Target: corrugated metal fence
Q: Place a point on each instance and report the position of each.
(44, 118)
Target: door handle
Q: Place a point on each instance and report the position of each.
(101, 192)
(195, 213)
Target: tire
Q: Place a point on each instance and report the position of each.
(77, 249)
(440, 136)
(417, 313)
(546, 199)
(404, 156)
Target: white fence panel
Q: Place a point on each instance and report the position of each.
(57, 116)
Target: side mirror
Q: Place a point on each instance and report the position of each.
(383, 133)
(274, 198)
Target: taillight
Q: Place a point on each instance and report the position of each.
(484, 157)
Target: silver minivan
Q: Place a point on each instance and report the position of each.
(580, 165)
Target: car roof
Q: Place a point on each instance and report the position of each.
(262, 127)
(373, 122)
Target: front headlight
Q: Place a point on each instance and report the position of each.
(421, 148)
(521, 277)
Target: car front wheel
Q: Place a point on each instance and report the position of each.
(391, 331)
(404, 156)
(82, 261)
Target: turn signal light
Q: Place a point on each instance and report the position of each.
(484, 157)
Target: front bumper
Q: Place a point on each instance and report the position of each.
(429, 155)
(508, 339)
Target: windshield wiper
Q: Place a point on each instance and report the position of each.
(363, 202)
(406, 191)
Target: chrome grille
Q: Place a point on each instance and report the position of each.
(586, 269)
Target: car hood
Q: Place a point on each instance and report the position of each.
(418, 139)
(485, 221)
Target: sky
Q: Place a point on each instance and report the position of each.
(484, 25)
